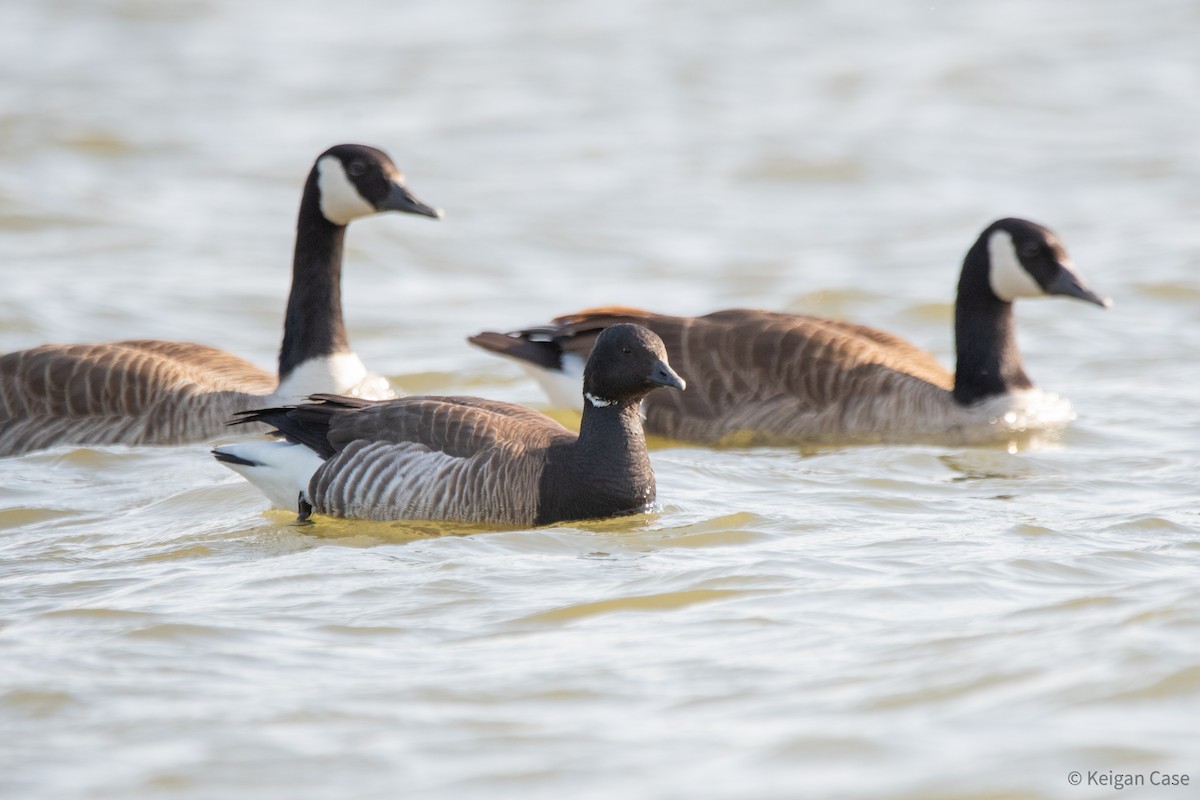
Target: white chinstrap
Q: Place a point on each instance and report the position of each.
(340, 200)
(1006, 275)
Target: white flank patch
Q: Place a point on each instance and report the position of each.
(340, 373)
(563, 386)
(1024, 419)
(1008, 278)
(340, 201)
(1028, 410)
(283, 469)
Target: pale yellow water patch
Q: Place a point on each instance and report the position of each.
(37, 704)
(658, 602)
(792, 169)
(367, 533)
(442, 383)
(19, 517)
(1183, 683)
(1173, 292)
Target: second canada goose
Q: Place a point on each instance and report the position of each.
(467, 459)
(153, 392)
(759, 377)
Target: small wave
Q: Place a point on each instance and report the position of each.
(654, 602)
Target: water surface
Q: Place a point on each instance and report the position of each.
(901, 622)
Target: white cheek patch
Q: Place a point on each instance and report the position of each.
(340, 201)
(1008, 278)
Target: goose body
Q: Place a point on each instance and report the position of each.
(465, 458)
(155, 392)
(761, 377)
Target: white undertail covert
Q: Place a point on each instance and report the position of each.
(280, 470)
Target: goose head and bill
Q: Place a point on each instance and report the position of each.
(1011, 259)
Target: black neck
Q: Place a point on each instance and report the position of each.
(313, 327)
(605, 472)
(988, 360)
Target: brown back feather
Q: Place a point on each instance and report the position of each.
(456, 426)
(767, 371)
(130, 392)
(461, 458)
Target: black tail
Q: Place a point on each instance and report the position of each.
(540, 350)
(306, 424)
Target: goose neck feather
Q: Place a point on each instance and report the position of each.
(989, 362)
(313, 326)
(605, 472)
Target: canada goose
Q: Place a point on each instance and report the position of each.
(760, 377)
(464, 458)
(152, 392)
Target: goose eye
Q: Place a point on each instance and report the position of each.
(626, 351)
(356, 168)
(1030, 250)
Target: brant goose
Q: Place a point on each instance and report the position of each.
(760, 377)
(152, 392)
(464, 458)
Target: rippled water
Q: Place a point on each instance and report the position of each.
(911, 622)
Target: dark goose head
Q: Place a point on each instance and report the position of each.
(607, 471)
(626, 364)
(353, 180)
(1028, 260)
(1012, 258)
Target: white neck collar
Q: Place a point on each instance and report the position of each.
(597, 402)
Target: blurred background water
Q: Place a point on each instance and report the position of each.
(910, 622)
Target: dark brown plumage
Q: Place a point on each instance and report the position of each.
(761, 377)
(465, 458)
(121, 392)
